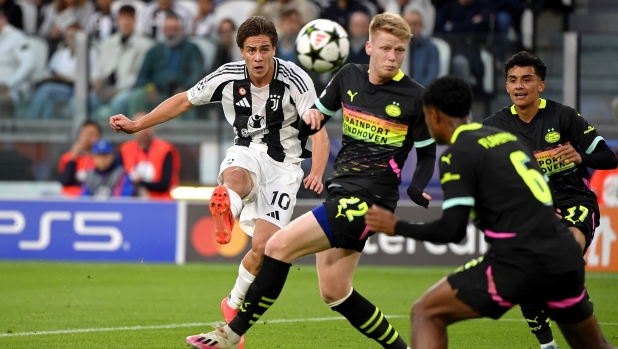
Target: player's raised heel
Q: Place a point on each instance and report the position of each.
(221, 211)
(216, 339)
(228, 314)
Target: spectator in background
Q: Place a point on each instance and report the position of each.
(172, 66)
(52, 96)
(13, 13)
(74, 164)
(227, 31)
(120, 61)
(152, 163)
(108, 178)
(64, 13)
(465, 25)
(423, 60)
(341, 10)
(204, 24)
(358, 34)
(274, 9)
(17, 62)
(102, 23)
(289, 26)
(153, 18)
(508, 15)
(424, 7)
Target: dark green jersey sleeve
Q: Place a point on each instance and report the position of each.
(330, 100)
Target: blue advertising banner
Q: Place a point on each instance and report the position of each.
(86, 230)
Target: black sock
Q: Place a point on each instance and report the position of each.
(262, 294)
(370, 321)
(538, 321)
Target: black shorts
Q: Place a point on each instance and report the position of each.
(342, 217)
(492, 288)
(583, 217)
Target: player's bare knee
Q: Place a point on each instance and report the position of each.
(333, 293)
(239, 180)
(274, 246)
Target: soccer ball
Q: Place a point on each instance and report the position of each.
(322, 45)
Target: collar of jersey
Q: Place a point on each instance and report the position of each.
(397, 76)
(465, 127)
(542, 105)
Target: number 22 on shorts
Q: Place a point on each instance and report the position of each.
(344, 211)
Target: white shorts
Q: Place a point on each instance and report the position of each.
(275, 185)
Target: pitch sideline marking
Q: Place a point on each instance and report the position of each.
(198, 324)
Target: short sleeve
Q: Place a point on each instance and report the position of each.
(330, 99)
(582, 133)
(420, 132)
(302, 91)
(458, 178)
(205, 91)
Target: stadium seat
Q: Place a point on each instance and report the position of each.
(208, 48)
(191, 5)
(444, 53)
(40, 49)
(236, 10)
(29, 13)
(488, 76)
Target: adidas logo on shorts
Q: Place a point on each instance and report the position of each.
(274, 215)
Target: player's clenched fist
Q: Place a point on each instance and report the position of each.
(120, 123)
(313, 118)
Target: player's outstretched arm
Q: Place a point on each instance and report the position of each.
(319, 159)
(450, 228)
(167, 110)
(311, 122)
(425, 163)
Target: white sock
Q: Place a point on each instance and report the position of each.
(336, 303)
(552, 343)
(244, 280)
(231, 335)
(236, 202)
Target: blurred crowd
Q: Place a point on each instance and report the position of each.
(142, 52)
(145, 167)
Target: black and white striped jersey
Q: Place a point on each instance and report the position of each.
(264, 118)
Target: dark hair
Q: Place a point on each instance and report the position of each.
(127, 10)
(256, 25)
(525, 59)
(92, 123)
(173, 15)
(450, 95)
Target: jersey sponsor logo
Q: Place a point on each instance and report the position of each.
(242, 91)
(497, 139)
(243, 103)
(549, 163)
(352, 95)
(446, 158)
(590, 129)
(552, 136)
(275, 101)
(393, 110)
(256, 123)
(370, 128)
(448, 177)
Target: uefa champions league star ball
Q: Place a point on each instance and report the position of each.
(322, 45)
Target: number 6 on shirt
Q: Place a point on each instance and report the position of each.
(533, 178)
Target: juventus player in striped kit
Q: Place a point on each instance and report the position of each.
(263, 98)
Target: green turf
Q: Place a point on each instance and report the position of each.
(37, 297)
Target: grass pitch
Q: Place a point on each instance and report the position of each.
(83, 305)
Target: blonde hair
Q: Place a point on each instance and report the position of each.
(390, 23)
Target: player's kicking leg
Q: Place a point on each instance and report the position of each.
(226, 201)
(301, 237)
(336, 269)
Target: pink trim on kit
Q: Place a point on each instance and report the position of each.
(365, 232)
(566, 303)
(395, 167)
(491, 289)
(495, 235)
